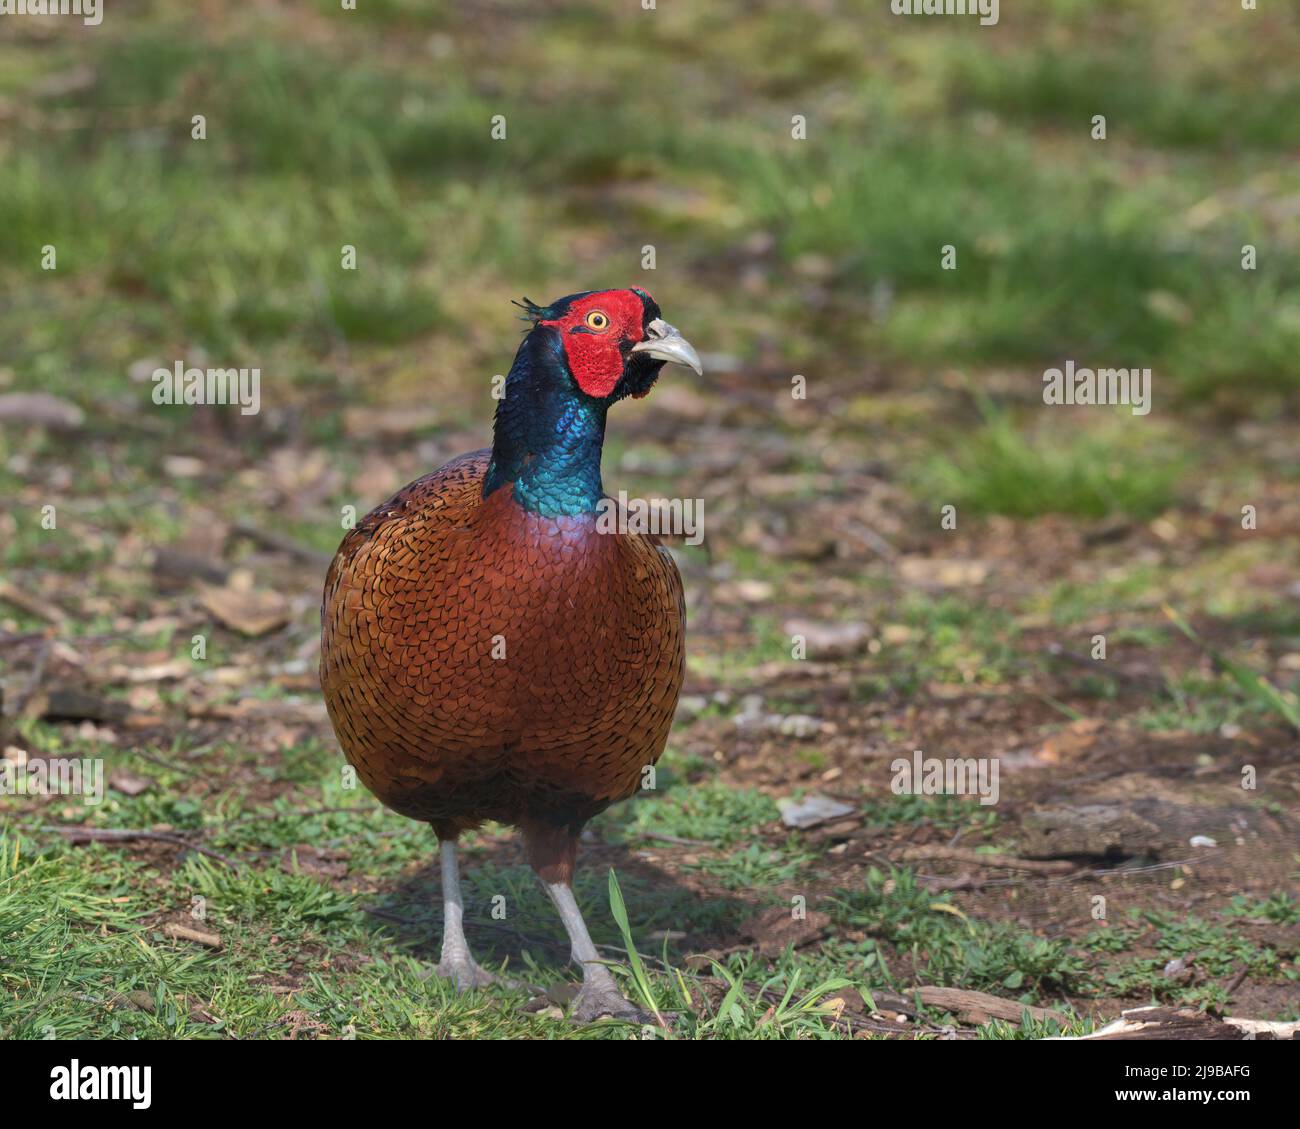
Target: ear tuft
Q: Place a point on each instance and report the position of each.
(533, 312)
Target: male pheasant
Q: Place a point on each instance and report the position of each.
(489, 651)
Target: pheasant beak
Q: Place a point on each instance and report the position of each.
(664, 343)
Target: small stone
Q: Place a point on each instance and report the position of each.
(691, 706)
(829, 640)
(128, 783)
(800, 726)
(811, 810)
(754, 591)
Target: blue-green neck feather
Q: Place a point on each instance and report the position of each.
(549, 433)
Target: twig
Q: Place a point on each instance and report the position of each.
(1235, 983)
(1107, 670)
(674, 839)
(51, 613)
(34, 682)
(873, 540)
(16, 638)
(1150, 868)
(184, 933)
(280, 543)
(171, 766)
(123, 835)
(301, 812)
(974, 858)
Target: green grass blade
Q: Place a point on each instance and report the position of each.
(1255, 685)
(639, 975)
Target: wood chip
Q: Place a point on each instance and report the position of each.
(128, 784)
(185, 933)
(979, 1007)
(1189, 1024)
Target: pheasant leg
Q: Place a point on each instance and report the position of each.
(599, 994)
(456, 964)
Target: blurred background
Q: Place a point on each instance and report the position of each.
(669, 129)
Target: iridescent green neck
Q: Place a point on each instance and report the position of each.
(548, 435)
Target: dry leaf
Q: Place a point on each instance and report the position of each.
(251, 613)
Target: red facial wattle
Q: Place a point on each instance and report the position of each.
(594, 331)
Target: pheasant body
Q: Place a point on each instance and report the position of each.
(490, 648)
(481, 661)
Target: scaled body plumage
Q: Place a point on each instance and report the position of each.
(484, 662)
(488, 652)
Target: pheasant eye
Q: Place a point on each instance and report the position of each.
(596, 320)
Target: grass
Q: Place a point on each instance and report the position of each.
(306, 955)
(1000, 470)
(1256, 688)
(1178, 103)
(708, 812)
(958, 641)
(626, 128)
(1281, 908)
(946, 812)
(944, 946)
(1216, 951)
(1052, 254)
(83, 942)
(86, 942)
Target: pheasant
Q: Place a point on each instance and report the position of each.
(489, 650)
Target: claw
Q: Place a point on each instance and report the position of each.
(593, 1003)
